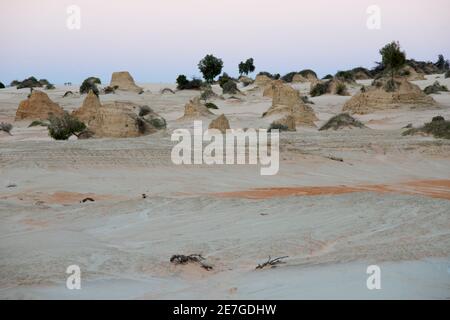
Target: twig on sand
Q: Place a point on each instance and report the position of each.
(335, 158)
(271, 262)
(195, 258)
(87, 199)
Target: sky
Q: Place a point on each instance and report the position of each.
(156, 40)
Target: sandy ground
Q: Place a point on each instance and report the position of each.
(386, 204)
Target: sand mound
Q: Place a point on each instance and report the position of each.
(262, 80)
(221, 123)
(38, 107)
(195, 109)
(342, 121)
(246, 81)
(270, 87)
(361, 75)
(117, 119)
(91, 105)
(411, 74)
(298, 78)
(124, 81)
(332, 86)
(286, 101)
(377, 98)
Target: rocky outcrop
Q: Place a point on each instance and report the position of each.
(270, 87)
(298, 78)
(195, 109)
(38, 107)
(262, 80)
(124, 81)
(88, 110)
(380, 97)
(287, 102)
(119, 120)
(220, 123)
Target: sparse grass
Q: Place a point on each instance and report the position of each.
(447, 74)
(343, 120)
(341, 89)
(438, 127)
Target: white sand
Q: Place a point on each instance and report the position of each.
(123, 243)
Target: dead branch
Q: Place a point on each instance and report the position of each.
(193, 258)
(271, 262)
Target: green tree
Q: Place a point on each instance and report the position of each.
(246, 67)
(210, 67)
(393, 58)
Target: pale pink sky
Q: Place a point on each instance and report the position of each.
(158, 39)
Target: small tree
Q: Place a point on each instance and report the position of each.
(246, 67)
(210, 67)
(90, 84)
(63, 127)
(442, 64)
(393, 58)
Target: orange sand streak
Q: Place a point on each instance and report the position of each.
(431, 188)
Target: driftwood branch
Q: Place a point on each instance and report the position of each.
(193, 258)
(271, 262)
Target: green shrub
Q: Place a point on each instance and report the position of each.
(319, 89)
(341, 89)
(435, 88)
(158, 123)
(277, 126)
(211, 105)
(308, 72)
(2, 86)
(49, 86)
(184, 84)
(268, 74)
(345, 76)
(438, 127)
(6, 127)
(30, 82)
(224, 78)
(36, 123)
(343, 120)
(88, 85)
(144, 110)
(63, 127)
(207, 94)
(327, 77)
(210, 67)
(230, 87)
(289, 76)
(447, 74)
